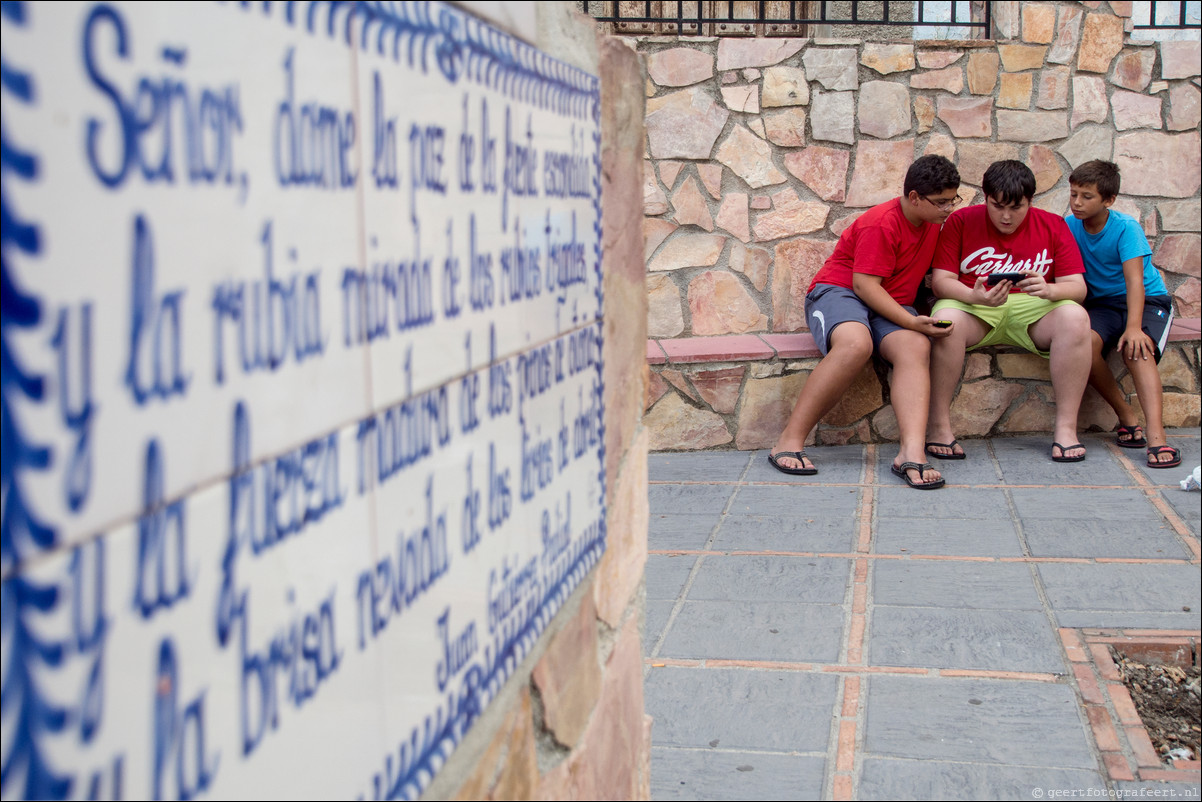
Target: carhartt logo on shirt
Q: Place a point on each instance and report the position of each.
(986, 260)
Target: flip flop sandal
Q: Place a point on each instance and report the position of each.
(952, 445)
(1156, 451)
(1064, 450)
(797, 455)
(1134, 434)
(901, 471)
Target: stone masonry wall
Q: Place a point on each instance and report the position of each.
(570, 723)
(760, 152)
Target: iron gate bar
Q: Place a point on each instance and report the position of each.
(679, 20)
(1182, 17)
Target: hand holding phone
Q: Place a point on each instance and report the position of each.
(942, 324)
(993, 278)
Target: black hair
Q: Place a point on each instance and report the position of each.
(930, 175)
(1009, 181)
(1103, 175)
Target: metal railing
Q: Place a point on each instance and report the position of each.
(1165, 15)
(783, 17)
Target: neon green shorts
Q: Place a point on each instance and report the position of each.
(1009, 323)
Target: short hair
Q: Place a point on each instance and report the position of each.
(1009, 181)
(931, 174)
(1103, 175)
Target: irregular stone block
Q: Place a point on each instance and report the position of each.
(796, 263)
(1101, 41)
(1015, 92)
(684, 125)
(711, 177)
(568, 676)
(656, 387)
(1185, 107)
(1053, 88)
(1179, 60)
(1133, 70)
(1032, 126)
(761, 202)
(834, 68)
(1159, 164)
(1180, 215)
(750, 158)
(690, 208)
(1039, 23)
(735, 53)
(720, 388)
(833, 117)
(734, 217)
(979, 405)
(674, 424)
(1090, 103)
(1024, 366)
(1095, 142)
(1068, 33)
(654, 200)
(941, 145)
(1055, 202)
(790, 216)
(1179, 253)
(950, 79)
(1007, 18)
(751, 74)
(840, 225)
(786, 128)
(688, 250)
(938, 59)
(755, 263)
(977, 366)
(862, 398)
(975, 158)
(720, 304)
(655, 231)
(765, 409)
(668, 172)
(1133, 110)
(508, 768)
(1175, 371)
(676, 379)
(884, 109)
(967, 117)
(887, 59)
(665, 318)
(924, 113)
(1043, 162)
(982, 72)
(744, 98)
(1016, 58)
(1188, 298)
(680, 66)
(879, 172)
(1034, 413)
(822, 169)
(784, 86)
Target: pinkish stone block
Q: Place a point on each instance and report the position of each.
(840, 225)
(656, 387)
(684, 125)
(1068, 34)
(833, 117)
(1015, 92)
(1043, 162)
(1159, 164)
(744, 99)
(690, 208)
(835, 68)
(668, 171)
(886, 59)
(1016, 58)
(1094, 142)
(655, 231)
(786, 128)
(924, 113)
(1179, 253)
(620, 572)
(1090, 103)
(755, 263)
(665, 316)
(688, 250)
(1039, 23)
(733, 216)
(822, 169)
(967, 117)
(654, 200)
(1185, 107)
(1181, 215)
(950, 79)
(1133, 70)
(655, 353)
(1007, 18)
(1053, 88)
(735, 53)
(1179, 60)
(761, 202)
(979, 405)
(680, 66)
(750, 158)
(676, 379)
(784, 86)
(789, 216)
(796, 263)
(751, 75)
(938, 59)
(1133, 110)
(568, 676)
(983, 69)
(879, 172)
(1031, 126)
(1101, 41)
(734, 348)
(720, 388)
(711, 177)
(1188, 300)
(765, 409)
(674, 424)
(975, 158)
(793, 346)
(720, 304)
(941, 145)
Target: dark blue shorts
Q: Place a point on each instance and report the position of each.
(1108, 317)
(828, 305)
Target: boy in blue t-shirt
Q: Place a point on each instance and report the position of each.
(1128, 306)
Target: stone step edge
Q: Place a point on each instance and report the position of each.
(797, 345)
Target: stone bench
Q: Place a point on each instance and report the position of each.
(738, 390)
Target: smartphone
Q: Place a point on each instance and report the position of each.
(942, 324)
(994, 278)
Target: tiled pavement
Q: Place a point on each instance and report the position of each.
(841, 636)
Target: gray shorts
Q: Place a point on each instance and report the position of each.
(828, 305)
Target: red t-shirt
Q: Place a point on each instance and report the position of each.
(971, 246)
(882, 242)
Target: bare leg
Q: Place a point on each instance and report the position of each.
(947, 364)
(910, 389)
(1146, 375)
(851, 348)
(1102, 379)
(1064, 333)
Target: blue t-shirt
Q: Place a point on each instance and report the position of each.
(1104, 253)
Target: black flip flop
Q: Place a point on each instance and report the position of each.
(1064, 450)
(900, 470)
(952, 445)
(1157, 451)
(797, 455)
(1132, 441)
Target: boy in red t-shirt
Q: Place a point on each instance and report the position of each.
(1035, 306)
(868, 284)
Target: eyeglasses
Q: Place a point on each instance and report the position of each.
(944, 205)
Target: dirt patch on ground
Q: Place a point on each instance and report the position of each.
(1168, 700)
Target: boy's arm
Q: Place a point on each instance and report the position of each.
(871, 290)
(1134, 344)
(1062, 288)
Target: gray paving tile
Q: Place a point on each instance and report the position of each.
(760, 630)
(714, 774)
(1123, 588)
(947, 536)
(837, 464)
(777, 500)
(1118, 619)
(1028, 461)
(1186, 505)
(1103, 538)
(667, 531)
(666, 575)
(1084, 504)
(1003, 640)
(809, 580)
(1157, 790)
(957, 585)
(783, 711)
(802, 532)
(934, 779)
(978, 721)
(656, 617)
(697, 499)
(697, 466)
(1191, 451)
(986, 503)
